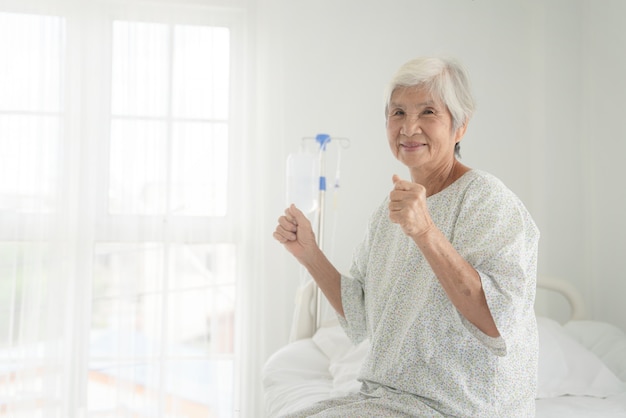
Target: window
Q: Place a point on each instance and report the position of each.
(118, 263)
(169, 127)
(31, 110)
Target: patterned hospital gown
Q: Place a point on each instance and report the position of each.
(427, 360)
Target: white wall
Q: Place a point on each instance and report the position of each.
(603, 151)
(579, 147)
(548, 77)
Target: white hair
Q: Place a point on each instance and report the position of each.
(445, 78)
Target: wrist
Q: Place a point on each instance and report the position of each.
(426, 235)
(311, 258)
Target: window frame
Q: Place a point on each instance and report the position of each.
(191, 228)
(85, 138)
(188, 229)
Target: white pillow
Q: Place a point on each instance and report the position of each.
(346, 369)
(345, 358)
(568, 368)
(332, 341)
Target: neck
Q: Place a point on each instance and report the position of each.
(437, 180)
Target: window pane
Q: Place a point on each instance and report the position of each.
(140, 69)
(30, 104)
(10, 292)
(126, 329)
(201, 72)
(146, 178)
(138, 167)
(196, 265)
(202, 316)
(27, 278)
(159, 336)
(196, 389)
(202, 320)
(201, 388)
(18, 272)
(127, 269)
(31, 79)
(200, 169)
(127, 292)
(28, 162)
(128, 390)
(30, 330)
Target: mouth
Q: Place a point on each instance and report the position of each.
(411, 146)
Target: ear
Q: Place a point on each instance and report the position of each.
(458, 135)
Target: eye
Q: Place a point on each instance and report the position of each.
(396, 113)
(428, 111)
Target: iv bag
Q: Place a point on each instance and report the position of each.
(302, 181)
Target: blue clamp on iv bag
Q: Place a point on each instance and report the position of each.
(322, 140)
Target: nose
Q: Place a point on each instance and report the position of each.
(411, 125)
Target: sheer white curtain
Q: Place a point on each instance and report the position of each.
(120, 241)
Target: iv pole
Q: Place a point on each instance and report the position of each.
(323, 140)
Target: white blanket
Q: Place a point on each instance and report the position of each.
(582, 370)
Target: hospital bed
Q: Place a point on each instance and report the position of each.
(582, 362)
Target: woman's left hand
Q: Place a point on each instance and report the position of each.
(408, 208)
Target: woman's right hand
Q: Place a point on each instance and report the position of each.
(294, 231)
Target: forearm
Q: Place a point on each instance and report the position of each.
(327, 278)
(458, 278)
(295, 233)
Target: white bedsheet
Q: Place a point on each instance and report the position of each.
(582, 407)
(582, 369)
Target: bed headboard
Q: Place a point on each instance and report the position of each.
(572, 296)
(303, 323)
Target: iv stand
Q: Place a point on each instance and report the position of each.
(317, 294)
(322, 140)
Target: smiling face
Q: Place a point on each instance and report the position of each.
(420, 132)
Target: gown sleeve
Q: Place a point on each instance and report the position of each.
(495, 233)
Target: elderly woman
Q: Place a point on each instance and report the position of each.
(444, 281)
